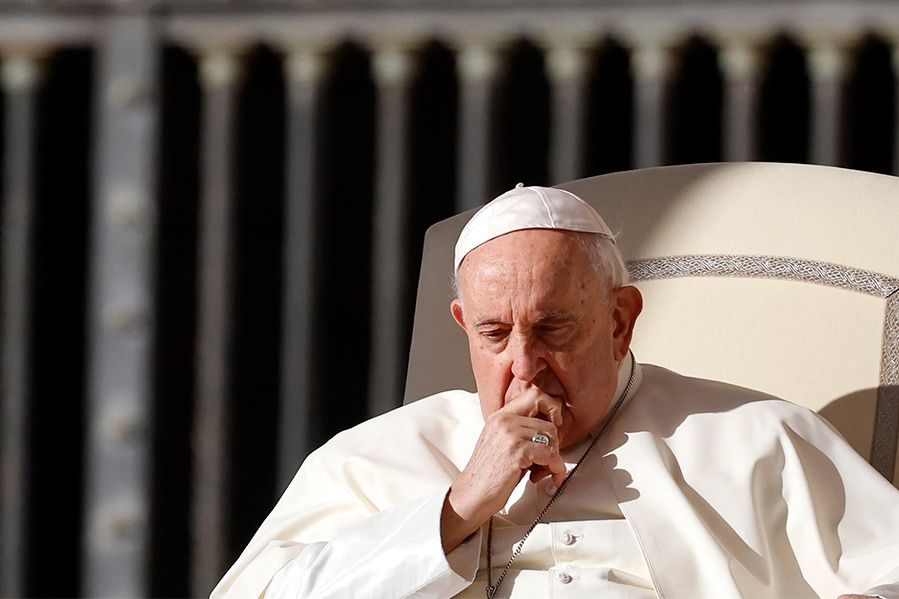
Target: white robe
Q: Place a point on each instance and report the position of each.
(727, 493)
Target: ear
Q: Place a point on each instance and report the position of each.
(627, 303)
(456, 311)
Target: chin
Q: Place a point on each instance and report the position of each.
(569, 441)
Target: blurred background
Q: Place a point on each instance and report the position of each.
(212, 217)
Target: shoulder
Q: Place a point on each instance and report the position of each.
(429, 418)
(714, 429)
(682, 402)
(438, 430)
(670, 387)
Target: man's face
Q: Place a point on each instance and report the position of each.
(536, 315)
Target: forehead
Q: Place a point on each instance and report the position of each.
(535, 265)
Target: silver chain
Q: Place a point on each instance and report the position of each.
(493, 588)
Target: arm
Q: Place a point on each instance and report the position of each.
(366, 516)
(503, 455)
(336, 527)
(395, 553)
(375, 488)
(861, 506)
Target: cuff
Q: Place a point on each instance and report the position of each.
(465, 559)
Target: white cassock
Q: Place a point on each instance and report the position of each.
(696, 489)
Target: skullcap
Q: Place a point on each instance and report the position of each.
(529, 208)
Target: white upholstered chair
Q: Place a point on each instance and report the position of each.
(779, 277)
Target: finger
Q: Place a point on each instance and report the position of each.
(544, 455)
(559, 478)
(528, 426)
(551, 407)
(538, 473)
(548, 457)
(534, 403)
(535, 426)
(520, 433)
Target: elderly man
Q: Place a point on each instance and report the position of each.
(574, 471)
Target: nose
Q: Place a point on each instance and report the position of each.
(527, 360)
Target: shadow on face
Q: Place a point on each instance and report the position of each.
(538, 314)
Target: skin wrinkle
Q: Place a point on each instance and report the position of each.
(546, 334)
(544, 320)
(604, 259)
(525, 282)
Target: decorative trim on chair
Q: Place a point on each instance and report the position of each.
(886, 427)
(886, 424)
(764, 267)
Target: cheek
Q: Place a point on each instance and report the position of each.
(481, 361)
(587, 374)
(490, 377)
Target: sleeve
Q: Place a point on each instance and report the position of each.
(887, 587)
(355, 524)
(842, 510)
(885, 591)
(395, 553)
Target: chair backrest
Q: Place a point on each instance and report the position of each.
(778, 277)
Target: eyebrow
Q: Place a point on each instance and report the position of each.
(554, 316)
(489, 321)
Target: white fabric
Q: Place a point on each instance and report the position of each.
(588, 549)
(727, 493)
(528, 208)
(601, 558)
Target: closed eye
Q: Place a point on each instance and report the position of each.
(494, 334)
(552, 328)
(555, 334)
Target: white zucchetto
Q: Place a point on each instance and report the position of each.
(529, 208)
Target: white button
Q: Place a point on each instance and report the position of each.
(551, 489)
(564, 577)
(568, 539)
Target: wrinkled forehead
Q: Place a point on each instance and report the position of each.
(533, 256)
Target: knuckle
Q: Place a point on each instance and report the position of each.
(497, 416)
(499, 422)
(525, 459)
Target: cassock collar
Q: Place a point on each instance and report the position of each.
(624, 373)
